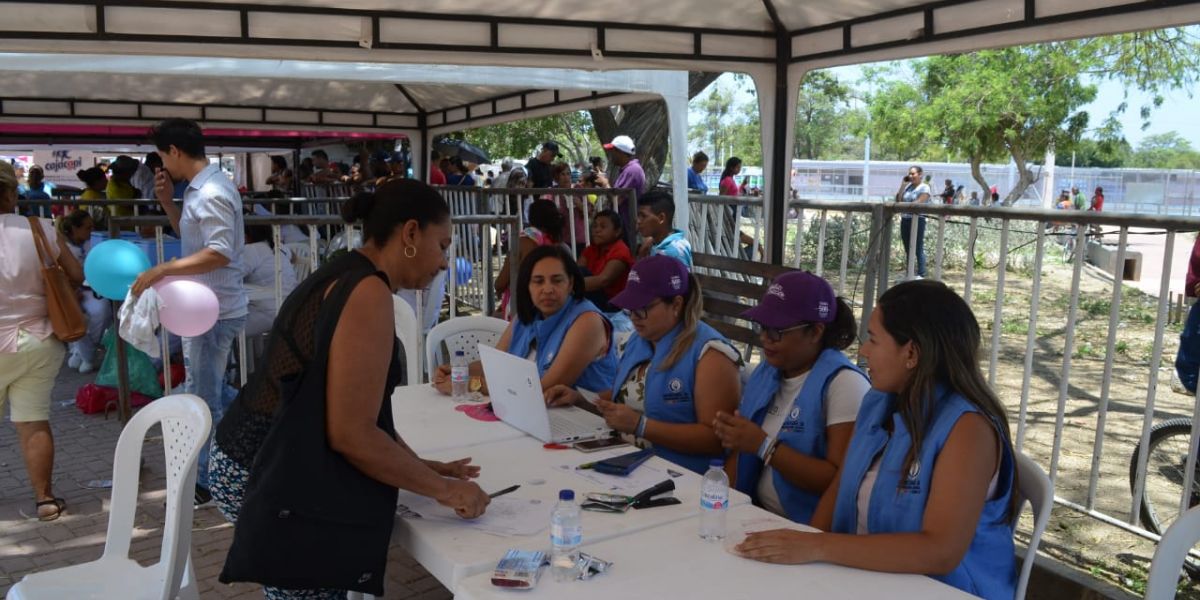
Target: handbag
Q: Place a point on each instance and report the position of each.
(62, 304)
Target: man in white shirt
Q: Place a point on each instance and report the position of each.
(212, 234)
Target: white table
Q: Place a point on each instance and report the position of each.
(671, 561)
(429, 422)
(452, 551)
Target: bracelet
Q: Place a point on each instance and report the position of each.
(770, 453)
(764, 446)
(640, 432)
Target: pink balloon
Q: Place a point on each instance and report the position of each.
(187, 308)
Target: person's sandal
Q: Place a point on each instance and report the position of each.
(59, 505)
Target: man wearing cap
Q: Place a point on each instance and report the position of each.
(629, 169)
(538, 168)
(797, 414)
(120, 186)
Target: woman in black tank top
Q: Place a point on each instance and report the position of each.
(307, 462)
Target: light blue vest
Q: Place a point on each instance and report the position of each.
(802, 431)
(548, 334)
(669, 394)
(989, 568)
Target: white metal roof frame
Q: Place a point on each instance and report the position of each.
(774, 41)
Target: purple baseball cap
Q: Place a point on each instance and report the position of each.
(795, 298)
(651, 278)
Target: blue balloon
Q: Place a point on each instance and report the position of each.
(112, 266)
(462, 271)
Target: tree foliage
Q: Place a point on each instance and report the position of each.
(572, 131)
(1166, 151)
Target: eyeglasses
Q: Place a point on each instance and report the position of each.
(775, 335)
(640, 313)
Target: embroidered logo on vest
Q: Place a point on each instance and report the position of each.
(913, 484)
(675, 385)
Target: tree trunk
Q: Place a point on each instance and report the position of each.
(1025, 177)
(646, 123)
(977, 175)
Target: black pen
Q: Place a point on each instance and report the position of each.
(511, 488)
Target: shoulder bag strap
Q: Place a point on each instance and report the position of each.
(39, 240)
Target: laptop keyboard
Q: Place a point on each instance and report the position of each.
(566, 425)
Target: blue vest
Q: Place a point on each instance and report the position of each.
(669, 396)
(548, 333)
(802, 431)
(989, 568)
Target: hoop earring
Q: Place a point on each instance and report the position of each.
(414, 252)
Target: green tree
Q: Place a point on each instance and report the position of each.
(819, 111)
(1166, 151)
(520, 139)
(1091, 152)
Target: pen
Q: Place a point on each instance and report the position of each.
(511, 488)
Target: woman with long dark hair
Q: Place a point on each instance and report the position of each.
(544, 227)
(556, 327)
(728, 184)
(929, 479)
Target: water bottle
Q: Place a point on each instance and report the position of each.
(714, 502)
(460, 372)
(566, 533)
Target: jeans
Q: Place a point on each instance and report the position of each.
(205, 358)
(905, 233)
(1187, 361)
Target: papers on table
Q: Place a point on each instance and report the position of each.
(506, 515)
(644, 476)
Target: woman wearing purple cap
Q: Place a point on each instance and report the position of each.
(669, 386)
(791, 430)
(928, 482)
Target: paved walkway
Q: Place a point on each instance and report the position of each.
(84, 447)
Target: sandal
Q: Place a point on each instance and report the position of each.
(59, 505)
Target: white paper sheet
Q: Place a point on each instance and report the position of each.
(506, 515)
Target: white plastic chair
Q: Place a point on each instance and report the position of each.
(409, 332)
(460, 333)
(1169, 555)
(1033, 485)
(185, 426)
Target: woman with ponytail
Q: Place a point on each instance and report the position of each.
(791, 431)
(928, 482)
(676, 372)
(307, 461)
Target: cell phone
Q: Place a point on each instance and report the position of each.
(601, 444)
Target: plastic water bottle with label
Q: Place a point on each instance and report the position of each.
(566, 533)
(460, 372)
(714, 502)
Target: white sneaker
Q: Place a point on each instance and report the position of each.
(86, 366)
(1177, 385)
(73, 361)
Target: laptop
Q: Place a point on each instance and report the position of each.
(516, 393)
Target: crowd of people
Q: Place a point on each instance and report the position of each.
(909, 465)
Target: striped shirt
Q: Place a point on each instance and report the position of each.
(212, 218)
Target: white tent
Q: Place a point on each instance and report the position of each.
(774, 41)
